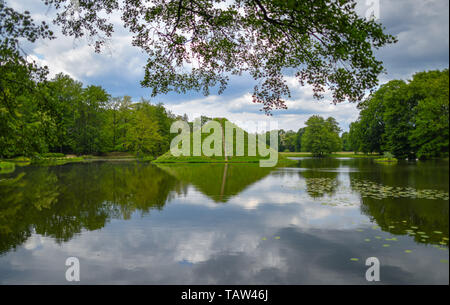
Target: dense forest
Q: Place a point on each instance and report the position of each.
(405, 119)
(40, 117)
(63, 116)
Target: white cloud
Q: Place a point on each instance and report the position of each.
(421, 26)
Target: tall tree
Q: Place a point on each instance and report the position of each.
(372, 122)
(407, 119)
(24, 119)
(355, 136)
(321, 136)
(398, 119)
(298, 140)
(430, 137)
(89, 121)
(345, 138)
(142, 136)
(65, 94)
(324, 42)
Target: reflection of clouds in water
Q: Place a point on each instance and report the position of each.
(34, 242)
(158, 249)
(279, 189)
(195, 240)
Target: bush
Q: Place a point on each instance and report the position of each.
(146, 159)
(388, 155)
(387, 158)
(53, 155)
(22, 159)
(7, 167)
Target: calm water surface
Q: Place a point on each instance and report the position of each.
(314, 223)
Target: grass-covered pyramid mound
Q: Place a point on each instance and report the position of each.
(232, 134)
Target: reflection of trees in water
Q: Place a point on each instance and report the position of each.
(217, 180)
(12, 232)
(320, 176)
(61, 201)
(400, 214)
(396, 215)
(419, 175)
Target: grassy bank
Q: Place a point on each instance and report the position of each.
(56, 160)
(333, 155)
(249, 144)
(169, 158)
(111, 156)
(386, 160)
(50, 159)
(7, 167)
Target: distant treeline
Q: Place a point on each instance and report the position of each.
(63, 116)
(320, 137)
(37, 117)
(406, 119)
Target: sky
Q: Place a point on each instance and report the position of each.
(421, 26)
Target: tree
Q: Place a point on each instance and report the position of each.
(345, 138)
(355, 137)
(408, 119)
(398, 119)
(89, 121)
(286, 140)
(24, 118)
(65, 94)
(321, 136)
(142, 136)
(298, 140)
(371, 122)
(430, 137)
(324, 42)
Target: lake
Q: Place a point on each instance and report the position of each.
(313, 223)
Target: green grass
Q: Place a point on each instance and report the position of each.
(386, 160)
(56, 161)
(169, 158)
(53, 155)
(333, 155)
(145, 158)
(21, 159)
(112, 155)
(7, 167)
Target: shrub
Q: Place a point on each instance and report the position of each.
(388, 155)
(7, 167)
(53, 155)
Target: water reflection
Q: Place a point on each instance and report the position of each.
(62, 201)
(217, 181)
(219, 224)
(406, 212)
(320, 176)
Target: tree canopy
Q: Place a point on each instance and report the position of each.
(198, 44)
(321, 136)
(63, 116)
(408, 119)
